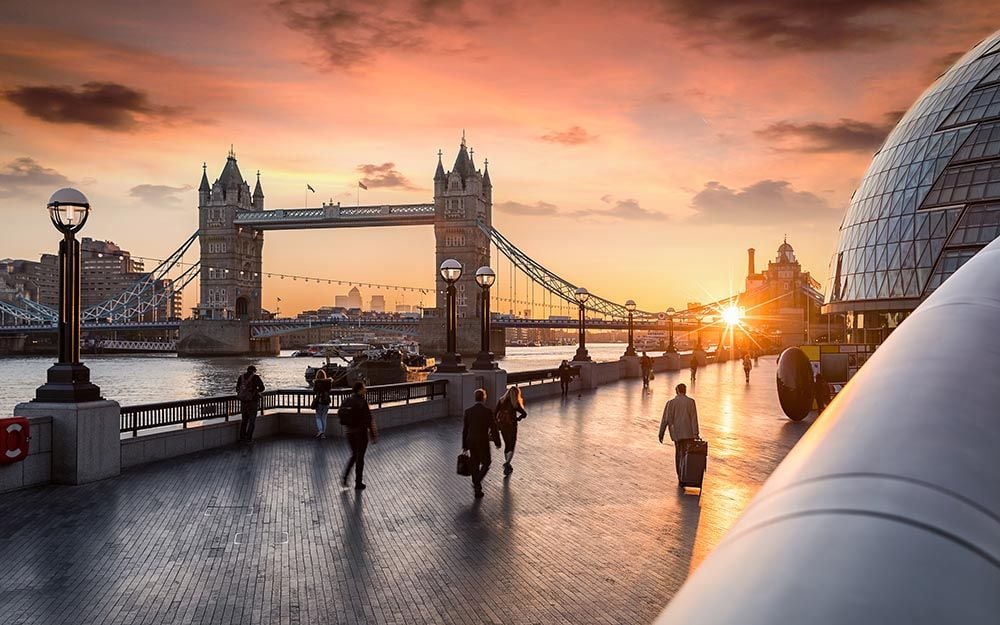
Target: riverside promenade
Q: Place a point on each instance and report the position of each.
(590, 528)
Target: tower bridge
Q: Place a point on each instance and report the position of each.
(232, 219)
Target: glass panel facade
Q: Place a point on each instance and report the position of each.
(918, 185)
(979, 226)
(949, 264)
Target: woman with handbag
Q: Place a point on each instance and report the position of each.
(510, 410)
(322, 386)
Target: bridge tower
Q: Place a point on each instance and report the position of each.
(230, 273)
(230, 255)
(463, 200)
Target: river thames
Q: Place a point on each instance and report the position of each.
(145, 378)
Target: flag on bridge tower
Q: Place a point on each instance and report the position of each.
(362, 185)
(308, 186)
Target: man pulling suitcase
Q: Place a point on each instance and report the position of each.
(680, 417)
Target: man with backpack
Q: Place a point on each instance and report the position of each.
(249, 386)
(356, 417)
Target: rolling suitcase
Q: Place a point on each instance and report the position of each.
(693, 463)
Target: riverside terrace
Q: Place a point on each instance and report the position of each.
(590, 528)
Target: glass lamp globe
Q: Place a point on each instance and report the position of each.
(451, 270)
(630, 306)
(485, 277)
(68, 210)
(582, 295)
(671, 312)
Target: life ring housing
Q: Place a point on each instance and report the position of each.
(14, 436)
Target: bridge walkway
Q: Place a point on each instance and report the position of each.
(589, 529)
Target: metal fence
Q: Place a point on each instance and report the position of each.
(185, 411)
(538, 376)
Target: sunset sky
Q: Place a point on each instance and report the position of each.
(636, 148)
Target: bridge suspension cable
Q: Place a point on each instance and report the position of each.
(132, 302)
(549, 281)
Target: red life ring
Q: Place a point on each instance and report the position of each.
(14, 438)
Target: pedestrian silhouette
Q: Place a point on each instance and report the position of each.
(249, 386)
(478, 430)
(359, 427)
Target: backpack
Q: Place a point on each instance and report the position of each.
(245, 390)
(346, 414)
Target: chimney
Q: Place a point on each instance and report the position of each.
(750, 264)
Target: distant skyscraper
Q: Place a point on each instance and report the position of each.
(354, 298)
(378, 303)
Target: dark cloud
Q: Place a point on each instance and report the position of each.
(24, 174)
(764, 202)
(106, 105)
(845, 135)
(801, 25)
(384, 175)
(574, 135)
(352, 32)
(159, 194)
(626, 210)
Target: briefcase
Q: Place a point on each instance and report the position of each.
(694, 462)
(464, 465)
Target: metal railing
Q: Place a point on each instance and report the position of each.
(187, 411)
(538, 376)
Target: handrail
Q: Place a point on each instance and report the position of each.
(888, 509)
(538, 376)
(184, 411)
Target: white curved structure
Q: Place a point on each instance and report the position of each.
(888, 510)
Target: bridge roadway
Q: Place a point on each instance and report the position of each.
(590, 528)
(274, 327)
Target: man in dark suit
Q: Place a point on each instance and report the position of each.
(480, 428)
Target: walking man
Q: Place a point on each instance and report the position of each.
(479, 429)
(356, 417)
(249, 386)
(694, 365)
(680, 416)
(646, 364)
(747, 365)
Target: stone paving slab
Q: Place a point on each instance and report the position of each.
(591, 527)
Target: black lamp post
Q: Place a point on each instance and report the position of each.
(485, 277)
(670, 318)
(451, 271)
(582, 295)
(630, 307)
(68, 380)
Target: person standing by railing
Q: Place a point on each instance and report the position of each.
(321, 401)
(249, 386)
(565, 377)
(646, 364)
(510, 410)
(356, 417)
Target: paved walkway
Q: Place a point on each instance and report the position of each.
(589, 529)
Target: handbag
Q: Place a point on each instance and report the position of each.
(651, 375)
(464, 464)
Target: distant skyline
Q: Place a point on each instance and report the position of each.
(635, 148)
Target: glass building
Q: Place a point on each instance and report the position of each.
(929, 201)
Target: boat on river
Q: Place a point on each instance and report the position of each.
(372, 364)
